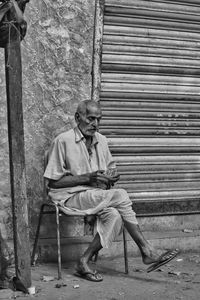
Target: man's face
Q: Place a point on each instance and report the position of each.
(88, 123)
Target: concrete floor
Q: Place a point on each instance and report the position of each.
(180, 279)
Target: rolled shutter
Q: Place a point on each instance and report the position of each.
(150, 96)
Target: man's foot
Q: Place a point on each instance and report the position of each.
(84, 271)
(164, 258)
(151, 255)
(91, 276)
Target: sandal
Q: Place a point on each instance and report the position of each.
(164, 258)
(91, 276)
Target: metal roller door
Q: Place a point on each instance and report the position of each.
(150, 96)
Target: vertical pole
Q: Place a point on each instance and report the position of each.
(17, 160)
(97, 50)
(125, 251)
(58, 241)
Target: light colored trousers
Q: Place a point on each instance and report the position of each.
(112, 207)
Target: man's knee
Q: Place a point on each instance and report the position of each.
(123, 195)
(113, 213)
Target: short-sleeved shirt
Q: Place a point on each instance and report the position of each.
(68, 155)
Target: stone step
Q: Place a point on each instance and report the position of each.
(73, 247)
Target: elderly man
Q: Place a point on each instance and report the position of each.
(81, 174)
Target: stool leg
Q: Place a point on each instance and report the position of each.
(58, 242)
(37, 236)
(125, 251)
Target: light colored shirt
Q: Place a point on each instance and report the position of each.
(68, 155)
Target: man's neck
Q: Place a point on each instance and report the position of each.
(88, 141)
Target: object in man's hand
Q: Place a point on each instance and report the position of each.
(112, 172)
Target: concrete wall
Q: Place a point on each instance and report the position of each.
(57, 59)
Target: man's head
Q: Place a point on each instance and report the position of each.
(88, 116)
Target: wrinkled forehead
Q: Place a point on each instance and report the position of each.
(93, 110)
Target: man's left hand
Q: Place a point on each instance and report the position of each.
(111, 179)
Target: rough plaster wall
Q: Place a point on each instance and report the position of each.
(57, 59)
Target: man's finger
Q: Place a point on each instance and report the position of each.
(104, 180)
(101, 171)
(114, 179)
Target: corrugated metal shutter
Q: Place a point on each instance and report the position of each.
(150, 95)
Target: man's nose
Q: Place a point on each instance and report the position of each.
(96, 123)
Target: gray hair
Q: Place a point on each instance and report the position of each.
(84, 105)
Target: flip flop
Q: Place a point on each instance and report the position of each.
(91, 276)
(164, 258)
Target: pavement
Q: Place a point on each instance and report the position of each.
(179, 279)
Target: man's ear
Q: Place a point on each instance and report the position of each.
(77, 117)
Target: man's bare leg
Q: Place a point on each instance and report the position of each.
(93, 248)
(149, 254)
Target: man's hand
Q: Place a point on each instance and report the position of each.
(100, 180)
(114, 179)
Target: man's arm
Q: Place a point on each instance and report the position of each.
(69, 181)
(95, 179)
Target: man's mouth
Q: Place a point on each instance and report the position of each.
(92, 130)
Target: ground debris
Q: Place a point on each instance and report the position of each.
(196, 281)
(138, 270)
(59, 285)
(187, 287)
(174, 273)
(187, 273)
(195, 258)
(47, 278)
(188, 230)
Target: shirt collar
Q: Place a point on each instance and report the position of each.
(79, 136)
